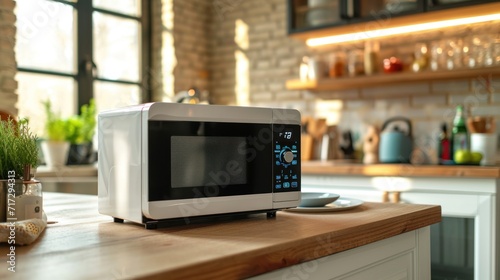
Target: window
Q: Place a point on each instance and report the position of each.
(70, 51)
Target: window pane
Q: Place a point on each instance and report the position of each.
(45, 38)
(128, 7)
(35, 88)
(112, 95)
(116, 47)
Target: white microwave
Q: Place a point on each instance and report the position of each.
(160, 162)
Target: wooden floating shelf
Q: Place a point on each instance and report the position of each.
(386, 79)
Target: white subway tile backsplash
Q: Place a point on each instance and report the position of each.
(495, 97)
(455, 86)
(482, 84)
(389, 103)
(470, 99)
(358, 104)
(396, 90)
(429, 100)
(486, 110)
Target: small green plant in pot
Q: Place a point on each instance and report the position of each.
(18, 158)
(55, 146)
(80, 132)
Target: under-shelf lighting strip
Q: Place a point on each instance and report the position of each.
(366, 35)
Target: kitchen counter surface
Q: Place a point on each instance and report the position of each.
(407, 170)
(87, 245)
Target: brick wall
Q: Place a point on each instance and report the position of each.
(8, 84)
(180, 46)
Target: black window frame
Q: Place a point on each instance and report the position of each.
(85, 64)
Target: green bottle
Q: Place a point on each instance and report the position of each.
(459, 137)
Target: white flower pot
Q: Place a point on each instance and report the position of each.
(55, 153)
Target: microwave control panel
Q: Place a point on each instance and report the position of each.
(286, 155)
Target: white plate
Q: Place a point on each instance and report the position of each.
(317, 199)
(340, 204)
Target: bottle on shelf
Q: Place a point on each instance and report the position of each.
(444, 149)
(304, 69)
(459, 137)
(372, 49)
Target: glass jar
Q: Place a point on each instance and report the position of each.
(421, 57)
(28, 201)
(337, 65)
(355, 63)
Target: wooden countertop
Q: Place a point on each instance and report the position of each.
(408, 170)
(86, 245)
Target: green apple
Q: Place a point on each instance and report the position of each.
(476, 157)
(462, 156)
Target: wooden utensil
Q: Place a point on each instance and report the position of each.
(481, 124)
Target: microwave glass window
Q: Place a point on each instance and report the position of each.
(188, 159)
(208, 161)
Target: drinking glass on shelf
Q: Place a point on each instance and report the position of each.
(437, 58)
(479, 51)
(355, 64)
(496, 51)
(453, 53)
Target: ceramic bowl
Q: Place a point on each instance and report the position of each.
(317, 199)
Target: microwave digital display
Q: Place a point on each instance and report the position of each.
(208, 161)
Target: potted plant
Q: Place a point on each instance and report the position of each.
(80, 132)
(55, 146)
(18, 158)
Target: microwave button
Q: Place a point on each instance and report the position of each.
(286, 185)
(288, 156)
(295, 184)
(278, 177)
(278, 186)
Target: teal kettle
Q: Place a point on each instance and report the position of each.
(395, 145)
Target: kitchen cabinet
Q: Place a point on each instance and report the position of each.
(432, 5)
(400, 257)
(385, 79)
(314, 17)
(316, 14)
